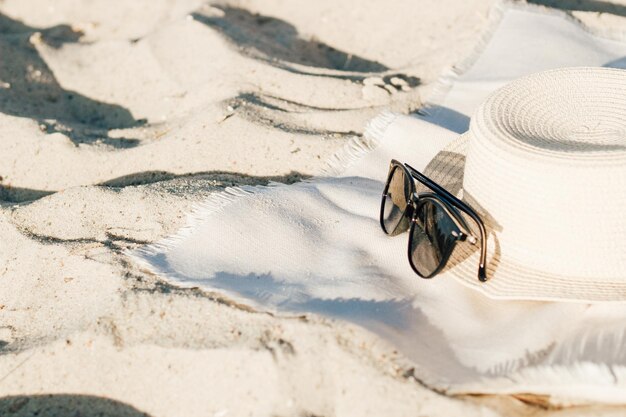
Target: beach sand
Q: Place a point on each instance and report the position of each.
(117, 117)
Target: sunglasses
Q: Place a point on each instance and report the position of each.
(437, 221)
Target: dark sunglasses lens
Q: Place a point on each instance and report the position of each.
(395, 203)
(431, 239)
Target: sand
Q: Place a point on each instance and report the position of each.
(117, 117)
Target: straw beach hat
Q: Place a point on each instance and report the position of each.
(544, 162)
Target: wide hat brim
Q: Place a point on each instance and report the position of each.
(509, 280)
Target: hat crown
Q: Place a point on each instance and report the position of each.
(546, 163)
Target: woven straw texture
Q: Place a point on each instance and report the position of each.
(544, 161)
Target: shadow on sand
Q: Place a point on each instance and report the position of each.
(584, 6)
(9, 194)
(272, 39)
(65, 405)
(28, 88)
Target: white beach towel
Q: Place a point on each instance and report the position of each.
(317, 246)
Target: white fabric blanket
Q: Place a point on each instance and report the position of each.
(317, 246)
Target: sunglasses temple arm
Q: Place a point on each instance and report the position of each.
(482, 265)
(436, 187)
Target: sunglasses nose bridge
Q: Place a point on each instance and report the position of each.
(415, 200)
